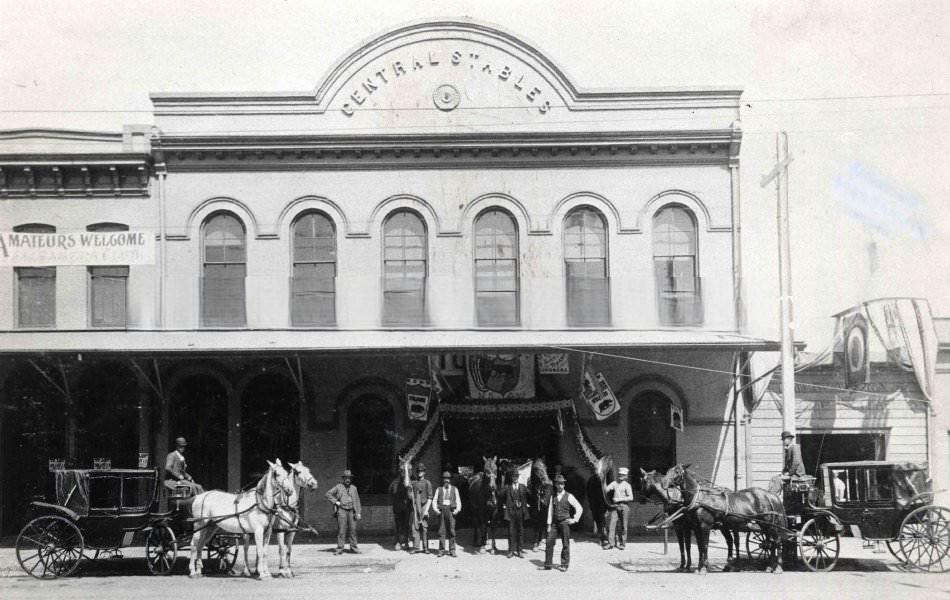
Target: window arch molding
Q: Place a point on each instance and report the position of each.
(654, 383)
(200, 214)
(690, 201)
(393, 204)
(297, 207)
(570, 203)
(497, 201)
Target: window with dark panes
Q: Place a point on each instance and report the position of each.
(108, 288)
(314, 278)
(223, 271)
(585, 268)
(36, 288)
(404, 270)
(496, 269)
(679, 297)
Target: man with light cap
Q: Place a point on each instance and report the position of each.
(176, 469)
(620, 495)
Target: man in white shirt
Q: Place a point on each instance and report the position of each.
(447, 504)
(621, 495)
(563, 511)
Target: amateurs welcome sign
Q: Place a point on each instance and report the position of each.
(76, 248)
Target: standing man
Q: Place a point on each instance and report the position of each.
(563, 511)
(421, 491)
(447, 504)
(621, 495)
(347, 509)
(515, 505)
(176, 469)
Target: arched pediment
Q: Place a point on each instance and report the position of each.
(456, 66)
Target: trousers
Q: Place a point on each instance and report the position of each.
(446, 528)
(562, 530)
(346, 528)
(620, 513)
(420, 531)
(516, 531)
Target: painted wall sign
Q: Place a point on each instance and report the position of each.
(76, 248)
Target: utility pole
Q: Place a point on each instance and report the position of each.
(787, 326)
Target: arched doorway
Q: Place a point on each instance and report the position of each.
(270, 425)
(107, 415)
(652, 440)
(34, 430)
(371, 453)
(199, 411)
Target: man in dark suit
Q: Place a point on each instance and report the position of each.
(176, 469)
(515, 504)
(792, 465)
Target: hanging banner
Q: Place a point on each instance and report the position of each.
(76, 248)
(417, 399)
(598, 395)
(553, 364)
(676, 418)
(501, 376)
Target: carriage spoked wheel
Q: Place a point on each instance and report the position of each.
(49, 547)
(818, 545)
(221, 552)
(757, 546)
(894, 547)
(161, 550)
(924, 539)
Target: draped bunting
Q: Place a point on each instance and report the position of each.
(502, 409)
(419, 444)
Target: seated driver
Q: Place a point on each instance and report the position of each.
(176, 469)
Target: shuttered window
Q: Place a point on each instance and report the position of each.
(313, 301)
(36, 288)
(224, 271)
(585, 268)
(496, 270)
(404, 270)
(679, 296)
(108, 288)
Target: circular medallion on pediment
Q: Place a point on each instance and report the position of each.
(446, 97)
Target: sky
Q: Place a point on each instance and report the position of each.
(862, 88)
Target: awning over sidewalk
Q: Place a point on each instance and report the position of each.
(294, 340)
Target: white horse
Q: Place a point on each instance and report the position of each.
(248, 512)
(285, 524)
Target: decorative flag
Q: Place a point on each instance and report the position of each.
(856, 359)
(598, 395)
(676, 418)
(440, 386)
(501, 376)
(417, 399)
(553, 364)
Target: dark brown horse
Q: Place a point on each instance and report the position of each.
(653, 488)
(483, 496)
(540, 490)
(597, 496)
(752, 509)
(402, 505)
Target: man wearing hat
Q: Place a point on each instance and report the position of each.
(421, 490)
(621, 495)
(346, 507)
(446, 504)
(514, 501)
(792, 466)
(176, 469)
(563, 511)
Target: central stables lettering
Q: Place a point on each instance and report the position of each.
(397, 68)
(68, 241)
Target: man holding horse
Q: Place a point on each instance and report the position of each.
(447, 504)
(621, 495)
(515, 506)
(421, 491)
(563, 511)
(176, 469)
(347, 509)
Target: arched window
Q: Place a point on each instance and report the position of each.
(36, 288)
(369, 441)
(652, 439)
(314, 277)
(585, 267)
(108, 287)
(496, 269)
(404, 269)
(224, 269)
(679, 296)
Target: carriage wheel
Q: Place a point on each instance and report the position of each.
(757, 546)
(49, 547)
(222, 552)
(818, 545)
(161, 550)
(895, 549)
(924, 539)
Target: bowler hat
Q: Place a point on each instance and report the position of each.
(787, 433)
(347, 473)
(180, 441)
(446, 475)
(560, 479)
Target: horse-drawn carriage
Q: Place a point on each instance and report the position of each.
(99, 511)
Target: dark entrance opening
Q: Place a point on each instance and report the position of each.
(199, 411)
(652, 440)
(818, 448)
(516, 439)
(107, 399)
(270, 425)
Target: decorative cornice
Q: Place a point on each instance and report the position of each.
(74, 177)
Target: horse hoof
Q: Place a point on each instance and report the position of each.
(701, 570)
(778, 570)
(194, 575)
(264, 576)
